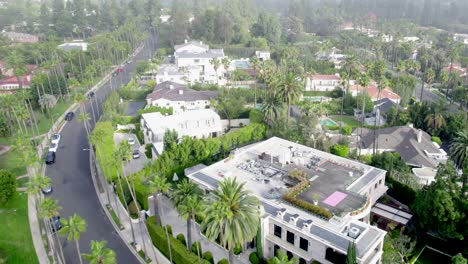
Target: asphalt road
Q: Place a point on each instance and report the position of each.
(71, 176)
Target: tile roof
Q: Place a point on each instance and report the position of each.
(326, 77)
(373, 92)
(26, 80)
(179, 92)
(192, 42)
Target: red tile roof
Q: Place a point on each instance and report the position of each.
(373, 92)
(26, 79)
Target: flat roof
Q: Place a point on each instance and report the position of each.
(263, 168)
(391, 213)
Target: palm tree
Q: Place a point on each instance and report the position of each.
(15, 62)
(215, 63)
(435, 121)
(84, 118)
(290, 89)
(73, 229)
(429, 76)
(226, 63)
(36, 184)
(232, 215)
(364, 81)
(255, 64)
(282, 258)
(100, 254)
(187, 201)
(271, 108)
(158, 186)
(459, 153)
(47, 209)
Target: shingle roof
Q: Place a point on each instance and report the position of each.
(385, 105)
(402, 139)
(213, 53)
(192, 42)
(179, 92)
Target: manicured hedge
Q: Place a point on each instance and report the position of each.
(195, 249)
(181, 238)
(223, 261)
(208, 256)
(400, 191)
(253, 258)
(180, 255)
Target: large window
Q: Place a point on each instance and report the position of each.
(334, 256)
(278, 231)
(304, 244)
(290, 237)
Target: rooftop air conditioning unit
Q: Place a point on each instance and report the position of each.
(354, 232)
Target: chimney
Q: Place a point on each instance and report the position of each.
(181, 91)
(185, 42)
(171, 87)
(419, 135)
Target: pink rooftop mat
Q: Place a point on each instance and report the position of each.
(335, 198)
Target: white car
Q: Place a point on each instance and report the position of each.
(53, 147)
(55, 139)
(131, 141)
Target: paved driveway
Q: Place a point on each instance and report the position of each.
(134, 165)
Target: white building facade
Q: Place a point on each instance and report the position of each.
(322, 82)
(346, 188)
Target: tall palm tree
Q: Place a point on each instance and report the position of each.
(226, 63)
(435, 121)
(100, 254)
(429, 76)
(187, 201)
(158, 186)
(271, 108)
(459, 153)
(255, 66)
(73, 229)
(290, 89)
(215, 63)
(84, 118)
(232, 215)
(47, 209)
(16, 62)
(364, 81)
(35, 186)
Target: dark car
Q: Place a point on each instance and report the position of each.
(69, 116)
(91, 94)
(115, 73)
(55, 223)
(50, 158)
(136, 154)
(47, 190)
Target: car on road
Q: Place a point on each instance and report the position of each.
(91, 94)
(55, 223)
(115, 73)
(55, 139)
(69, 116)
(119, 70)
(136, 154)
(131, 141)
(53, 147)
(50, 158)
(47, 190)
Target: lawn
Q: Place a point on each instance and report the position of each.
(45, 121)
(11, 161)
(105, 150)
(348, 120)
(15, 240)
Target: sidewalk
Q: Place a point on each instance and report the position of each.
(138, 226)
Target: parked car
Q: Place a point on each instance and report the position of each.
(53, 147)
(50, 158)
(69, 116)
(119, 70)
(55, 223)
(131, 141)
(91, 94)
(115, 73)
(47, 190)
(55, 138)
(136, 154)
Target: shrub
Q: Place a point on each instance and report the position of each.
(253, 258)
(7, 186)
(340, 150)
(132, 207)
(208, 256)
(256, 116)
(181, 238)
(148, 151)
(346, 130)
(180, 254)
(400, 191)
(223, 261)
(436, 140)
(169, 229)
(195, 246)
(237, 249)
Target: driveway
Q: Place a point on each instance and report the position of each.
(134, 165)
(133, 107)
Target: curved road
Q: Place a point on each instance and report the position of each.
(71, 176)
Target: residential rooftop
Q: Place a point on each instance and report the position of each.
(338, 182)
(173, 91)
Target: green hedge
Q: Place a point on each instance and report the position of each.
(195, 249)
(223, 261)
(400, 191)
(253, 258)
(180, 255)
(208, 257)
(436, 140)
(181, 238)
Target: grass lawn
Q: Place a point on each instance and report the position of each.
(105, 149)
(15, 236)
(45, 122)
(348, 120)
(11, 161)
(22, 182)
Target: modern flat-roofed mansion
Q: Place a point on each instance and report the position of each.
(314, 204)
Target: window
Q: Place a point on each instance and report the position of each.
(290, 237)
(304, 244)
(380, 182)
(375, 186)
(334, 256)
(278, 230)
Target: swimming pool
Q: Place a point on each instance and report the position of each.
(328, 122)
(317, 99)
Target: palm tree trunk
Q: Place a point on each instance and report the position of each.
(77, 243)
(126, 207)
(59, 246)
(168, 244)
(189, 233)
(157, 214)
(231, 256)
